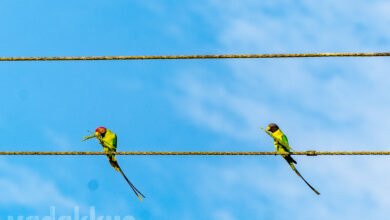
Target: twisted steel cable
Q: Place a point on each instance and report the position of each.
(207, 56)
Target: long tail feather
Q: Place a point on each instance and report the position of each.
(290, 159)
(114, 163)
(136, 191)
(296, 171)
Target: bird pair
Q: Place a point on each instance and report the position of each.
(108, 140)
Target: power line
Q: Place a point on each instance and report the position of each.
(210, 56)
(195, 153)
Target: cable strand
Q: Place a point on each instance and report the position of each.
(207, 56)
(195, 153)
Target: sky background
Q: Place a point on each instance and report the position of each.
(205, 105)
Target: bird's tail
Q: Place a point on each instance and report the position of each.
(114, 163)
(296, 171)
(136, 191)
(290, 159)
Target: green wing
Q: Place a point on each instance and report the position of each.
(114, 142)
(285, 143)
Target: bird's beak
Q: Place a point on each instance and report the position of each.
(89, 137)
(268, 128)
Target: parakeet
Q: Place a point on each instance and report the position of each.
(282, 146)
(108, 140)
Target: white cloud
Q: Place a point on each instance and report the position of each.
(332, 93)
(350, 188)
(23, 187)
(322, 104)
(223, 215)
(277, 26)
(59, 140)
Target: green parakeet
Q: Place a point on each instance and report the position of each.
(282, 146)
(108, 140)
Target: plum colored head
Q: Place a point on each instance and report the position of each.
(272, 127)
(101, 130)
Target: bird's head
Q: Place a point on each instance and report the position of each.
(100, 131)
(272, 127)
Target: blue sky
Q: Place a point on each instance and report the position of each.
(321, 104)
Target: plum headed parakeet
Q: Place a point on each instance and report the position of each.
(108, 140)
(282, 146)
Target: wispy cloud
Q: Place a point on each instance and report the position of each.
(251, 187)
(59, 140)
(23, 187)
(331, 94)
(325, 104)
